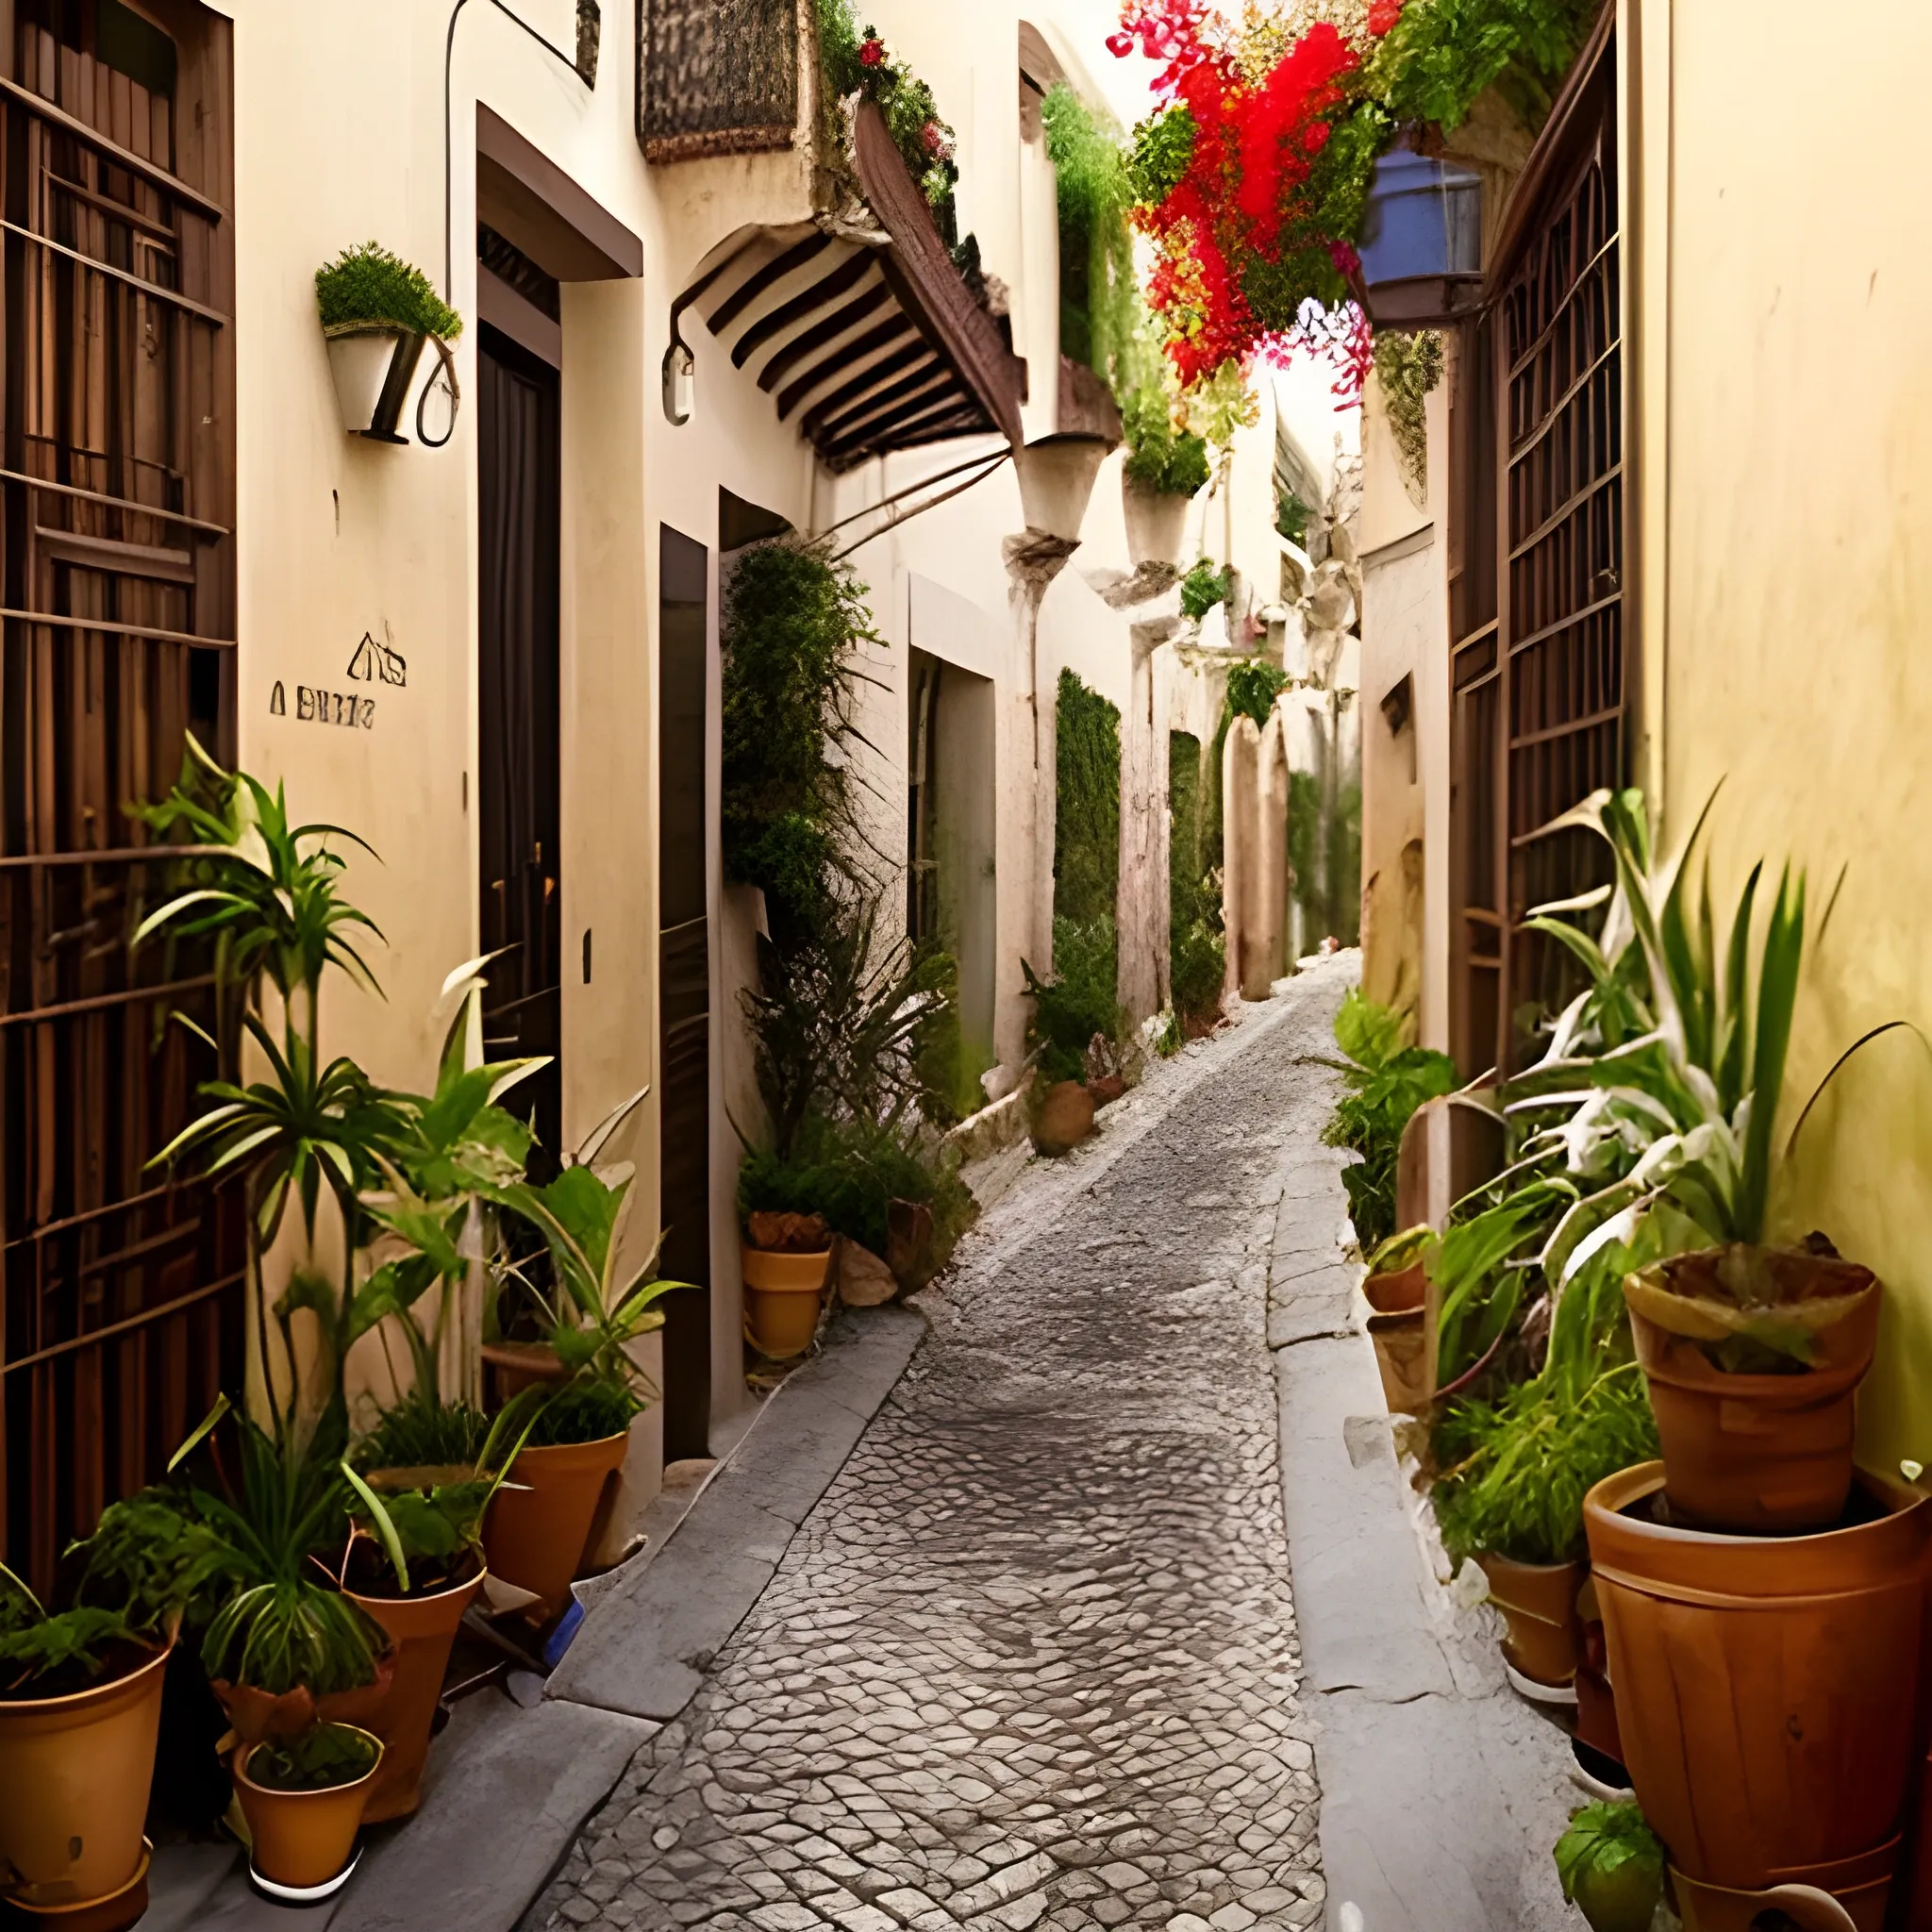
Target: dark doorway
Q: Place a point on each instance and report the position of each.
(518, 813)
(684, 982)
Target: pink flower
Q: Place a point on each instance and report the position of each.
(1383, 14)
(933, 138)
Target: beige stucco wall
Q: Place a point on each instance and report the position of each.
(1784, 464)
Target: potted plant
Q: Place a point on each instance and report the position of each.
(1515, 1472)
(304, 1798)
(416, 1561)
(1165, 468)
(377, 311)
(1396, 1290)
(80, 1708)
(1611, 1867)
(595, 1309)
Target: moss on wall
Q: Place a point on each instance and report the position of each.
(1087, 825)
(1197, 956)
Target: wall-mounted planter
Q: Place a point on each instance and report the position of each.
(1057, 477)
(374, 370)
(1157, 524)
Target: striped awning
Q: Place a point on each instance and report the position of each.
(867, 339)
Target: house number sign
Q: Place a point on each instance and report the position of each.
(369, 663)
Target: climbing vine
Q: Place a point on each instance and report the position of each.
(1407, 369)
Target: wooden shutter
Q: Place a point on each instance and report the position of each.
(1541, 679)
(121, 1317)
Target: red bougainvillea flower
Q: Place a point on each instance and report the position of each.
(872, 54)
(1383, 14)
(932, 136)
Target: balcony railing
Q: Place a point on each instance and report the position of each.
(716, 76)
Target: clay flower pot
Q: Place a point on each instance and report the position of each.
(303, 1841)
(75, 1772)
(423, 1629)
(1767, 1688)
(782, 1297)
(1539, 1604)
(520, 1365)
(1765, 1452)
(257, 1717)
(1065, 1119)
(540, 1521)
(1854, 1906)
(1398, 1329)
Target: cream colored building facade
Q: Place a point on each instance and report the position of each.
(1777, 420)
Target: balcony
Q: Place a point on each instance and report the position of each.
(717, 78)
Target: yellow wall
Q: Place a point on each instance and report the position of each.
(1788, 449)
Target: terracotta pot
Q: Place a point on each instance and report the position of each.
(1539, 1604)
(1596, 1703)
(117, 1912)
(256, 1716)
(1403, 1293)
(1851, 1897)
(539, 1521)
(302, 1839)
(782, 1299)
(1759, 1452)
(423, 1629)
(74, 1773)
(1767, 1689)
(520, 1365)
(1065, 1118)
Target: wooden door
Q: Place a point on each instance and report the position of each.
(519, 788)
(1541, 682)
(121, 1292)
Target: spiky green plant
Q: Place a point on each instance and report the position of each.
(369, 286)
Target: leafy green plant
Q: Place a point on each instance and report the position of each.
(369, 287)
(1203, 588)
(1087, 817)
(794, 623)
(1386, 1080)
(420, 1432)
(1480, 1267)
(1409, 367)
(1159, 456)
(1610, 1864)
(585, 1411)
(1292, 518)
(1162, 147)
(1078, 1003)
(323, 1759)
(1438, 58)
(855, 60)
(1253, 686)
(1102, 321)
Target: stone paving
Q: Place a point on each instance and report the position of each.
(1032, 1661)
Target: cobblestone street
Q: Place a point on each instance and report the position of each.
(1032, 1661)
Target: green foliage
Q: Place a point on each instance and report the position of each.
(1203, 588)
(850, 1173)
(1292, 518)
(585, 1411)
(1101, 314)
(1197, 952)
(1161, 457)
(949, 1088)
(1163, 146)
(1408, 368)
(1324, 857)
(1480, 1267)
(277, 1626)
(912, 112)
(323, 1759)
(1611, 1865)
(421, 1434)
(1438, 58)
(1078, 1002)
(793, 621)
(1386, 1080)
(70, 1644)
(1087, 825)
(1252, 688)
(370, 285)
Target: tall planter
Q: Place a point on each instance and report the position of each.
(540, 1521)
(1770, 1454)
(423, 1628)
(1767, 1688)
(74, 1773)
(374, 370)
(1157, 524)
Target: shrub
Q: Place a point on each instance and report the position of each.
(369, 285)
(1159, 456)
(1253, 687)
(1387, 1081)
(1101, 316)
(1203, 588)
(1078, 1002)
(1087, 825)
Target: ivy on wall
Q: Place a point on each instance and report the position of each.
(1407, 369)
(1197, 952)
(1087, 823)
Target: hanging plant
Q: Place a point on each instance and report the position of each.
(1252, 176)
(856, 60)
(1409, 367)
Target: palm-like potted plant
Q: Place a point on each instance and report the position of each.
(594, 1310)
(377, 311)
(1165, 468)
(80, 1708)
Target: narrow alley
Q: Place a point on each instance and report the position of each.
(1033, 1659)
